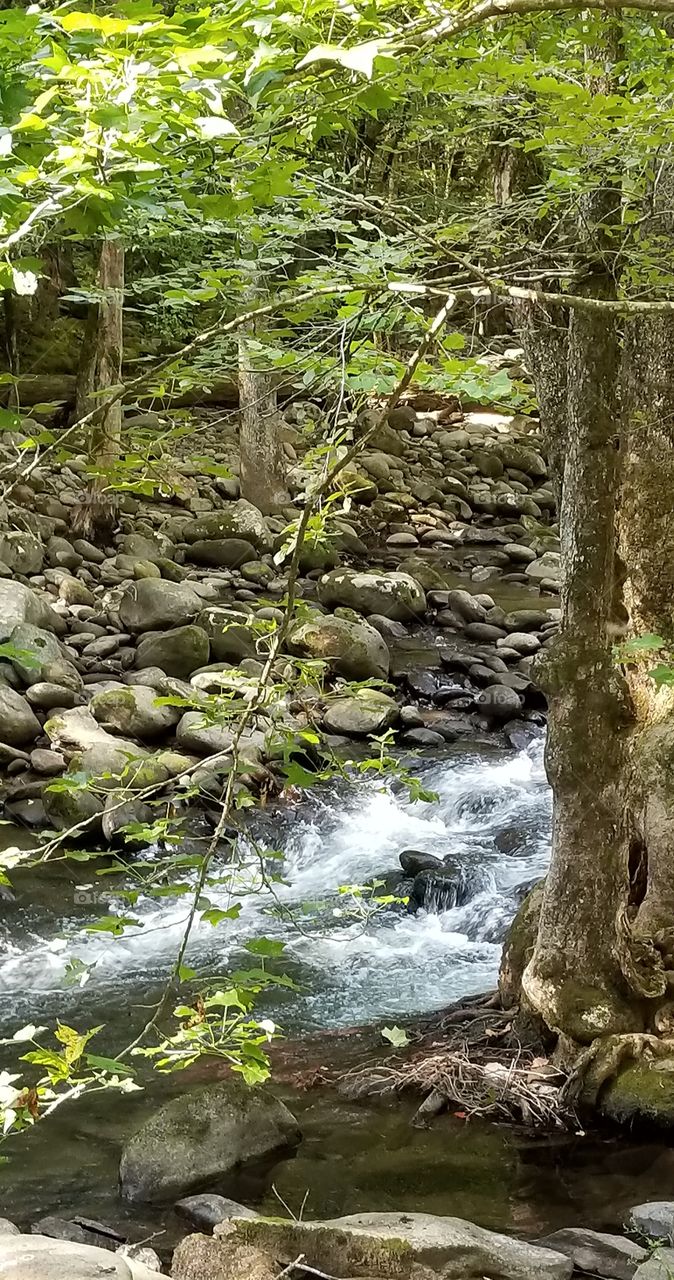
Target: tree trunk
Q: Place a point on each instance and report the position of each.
(11, 345)
(574, 979)
(101, 370)
(263, 464)
(544, 334)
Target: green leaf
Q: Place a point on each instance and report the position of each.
(213, 915)
(265, 947)
(395, 1036)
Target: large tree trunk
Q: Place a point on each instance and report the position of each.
(101, 371)
(574, 978)
(263, 465)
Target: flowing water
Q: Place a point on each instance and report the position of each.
(491, 819)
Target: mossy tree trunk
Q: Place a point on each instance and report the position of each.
(100, 372)
(263, 465)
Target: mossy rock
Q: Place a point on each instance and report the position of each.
(642, 1091)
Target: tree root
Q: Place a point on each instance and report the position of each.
(599, 1064)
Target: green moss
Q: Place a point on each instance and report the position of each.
(643, 1091)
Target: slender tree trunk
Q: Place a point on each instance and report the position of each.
(100, 370)
(544, 334)
(263, 465)
(11, 345)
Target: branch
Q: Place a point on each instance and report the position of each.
(490, 10)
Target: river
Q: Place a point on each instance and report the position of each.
(492, 819)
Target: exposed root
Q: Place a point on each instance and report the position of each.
(508, 1087)
(602, 1061)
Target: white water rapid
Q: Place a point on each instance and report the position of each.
(492, 819)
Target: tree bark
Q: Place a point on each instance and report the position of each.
(263, 465)
(100, 370)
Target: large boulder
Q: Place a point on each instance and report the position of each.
(387, 1244)
(196, 734)
(200, 1136)
(92, 750)
(237, 520)
(547, 566)
(354, 649)
(133, 711)
(520, 458)
(19, 603)
(152, 604)
(18, 722)
(38, 1257)
(393, 595)
(361, 713)
(178, 652)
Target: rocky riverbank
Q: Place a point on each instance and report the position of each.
(448, 511)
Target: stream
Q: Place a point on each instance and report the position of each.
(492, 819)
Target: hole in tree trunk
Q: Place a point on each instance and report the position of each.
(638, 871)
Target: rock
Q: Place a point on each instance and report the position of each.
(517, 457)
(152, 604)
(46, 696)
(201, 1135)
(178, 652)
(224, 553)
(602, 1255)
(120, 812)
(526, 620)
(8, 1228)
(548, 566)
(412, 862)
(388, 1244)
(133, 712)
(498, 702)
(204, 1258)
(47, 763)
(641, 1092)
(387, 627)
(229, 633)
(208, 1209)
(20, 604)
(41, 1258)
(393, 595)
(141, 1253)
(18, 722)
(79, 1230)
(36, 648)
(523, 641)
(91, 749)
(659, 1267)
(72, 807)
(364, 712)
(354, 649)
(21, 552)
(519, 553)
(422, 737)
(466, 606)
(238, 520)
(654, 1220)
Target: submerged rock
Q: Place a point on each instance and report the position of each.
(386, 1244)
(198, 1137)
